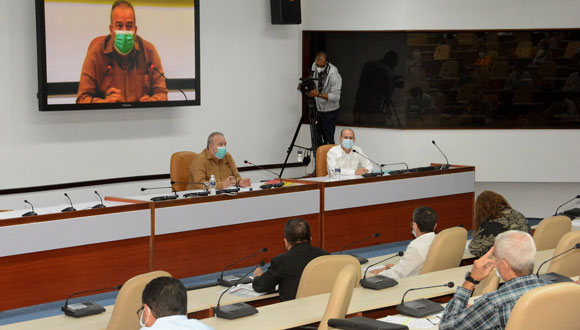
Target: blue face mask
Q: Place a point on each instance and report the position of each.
(347, 144)
(221, 152)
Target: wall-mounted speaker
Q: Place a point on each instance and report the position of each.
(286, 12)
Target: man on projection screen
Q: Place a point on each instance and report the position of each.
(121, 66)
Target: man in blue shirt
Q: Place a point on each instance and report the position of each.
(514, 255)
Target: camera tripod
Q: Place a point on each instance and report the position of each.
(311, 113)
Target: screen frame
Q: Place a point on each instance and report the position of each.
(42, 94)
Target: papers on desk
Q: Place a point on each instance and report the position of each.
(243, 291)
(411, 322)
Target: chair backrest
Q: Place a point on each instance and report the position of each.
(340, 295)
(449, 69)
(569, 263)
(319, 275)
(179, 168)
(549, 307)
(321, 168)
(441, 52)
(500, 69)
(128, 301)
(524, 49)
(489, 284)
(446, 251)
(572, 48)
(550, 230)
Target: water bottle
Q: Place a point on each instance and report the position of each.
(212, 185)
(337, 172)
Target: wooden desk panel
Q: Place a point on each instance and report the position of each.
(209, 250)
(41, 277)
(392, 220)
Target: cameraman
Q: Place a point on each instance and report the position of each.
(377, 83)
(326, 96)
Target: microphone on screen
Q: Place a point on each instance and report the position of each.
(421, 307)
(71, 207)
(154, 67)
(267, 186)
(555, 277)
(99, 206)
(362, 260)
(31, 212)
(235, 279)
(446, 165)
(379, 282)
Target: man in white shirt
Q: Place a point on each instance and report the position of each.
(351, 163)
(424, 222)
(165, 306)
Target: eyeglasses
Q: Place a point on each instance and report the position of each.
(140, 311)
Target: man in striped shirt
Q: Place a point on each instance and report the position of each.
(514, 255)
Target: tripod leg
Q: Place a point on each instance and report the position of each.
(291, 145)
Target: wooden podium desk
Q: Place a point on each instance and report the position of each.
(47, 257)
(356, 208)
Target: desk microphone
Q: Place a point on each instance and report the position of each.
(556, 213)
(372, 161)
(86, 308)
(267, 186)
(193, 194)
(235, 279)
(237, 310)
(162, 198)
(379, 282)
(446, 166)
(99, 206)
(360, 259)
(153, 188)
(31, 212)
(555, 277)
(71, 207)
(421, 307)
(152, 66)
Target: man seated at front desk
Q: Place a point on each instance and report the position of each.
(286, 269)
(215, 160)
(423, 225)
(350, 163)
(514, 254)
(165, 306)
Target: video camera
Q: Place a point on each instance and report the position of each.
(307, 85)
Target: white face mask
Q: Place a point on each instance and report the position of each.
(319, 70)
(413, 232)
(141, 323)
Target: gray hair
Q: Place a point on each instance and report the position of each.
(347, 129)
(210, 138)
(518, 249)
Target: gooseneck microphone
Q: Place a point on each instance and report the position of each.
(99, 206)
(152, 66)
(555, 277)
(267, 186)
(372, 161)
(558, 209)
(235, 279)
(86, 308)
(71, 207)
(237, 310)
(362, 260)
(446, 166)
(380, 281)
(421, 307)
(31, 212)
(153, 188)
(194, 194)
(162, 198)
(399, 163)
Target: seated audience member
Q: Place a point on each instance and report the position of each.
(514, 253)
(286, 269)
(424, 222)
(165, 306)
(493, 215)
(351, 163)
(214, 159)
